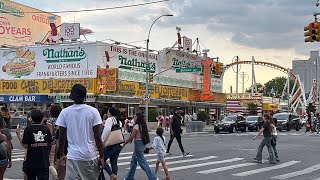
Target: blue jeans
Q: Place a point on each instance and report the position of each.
(266, 142)
(138, 157)
(112, 152)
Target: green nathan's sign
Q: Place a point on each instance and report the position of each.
(64, 55)
(8, 9)
(134, 64)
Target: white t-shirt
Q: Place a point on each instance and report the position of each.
(79, 119)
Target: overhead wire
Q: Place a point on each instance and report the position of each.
(95, 9)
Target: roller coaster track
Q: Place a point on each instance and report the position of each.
(297, 93)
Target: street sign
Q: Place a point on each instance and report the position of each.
(182, 70)
(58, 98)
(146, 96)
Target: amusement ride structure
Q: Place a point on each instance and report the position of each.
(295, 94)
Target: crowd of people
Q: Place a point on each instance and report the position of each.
(74, 142)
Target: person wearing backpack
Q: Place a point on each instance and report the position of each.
(140, 137)
(111, 152)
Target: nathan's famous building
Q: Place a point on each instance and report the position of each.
(32, 76)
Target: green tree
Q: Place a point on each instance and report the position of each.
(277, 84)
(153, 114)
(311, 108)
(259, 88)
(202, 116)
(252, 107)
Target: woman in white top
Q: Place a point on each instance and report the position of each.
(112, 151)
(140, 137)
(274, 139)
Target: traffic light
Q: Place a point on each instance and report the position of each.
(150, 77)
(315, 31)
(312, 32)
(308, 33)
(213, 69)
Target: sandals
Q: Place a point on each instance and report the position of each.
(167, 178)
(113, 177)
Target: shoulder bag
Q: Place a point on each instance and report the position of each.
(115, 136)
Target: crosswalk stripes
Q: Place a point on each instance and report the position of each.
(265, 169)
(203, 164)
(225, 168)
(184, 161)
(154, 160)
(298, 173)
(208, 165)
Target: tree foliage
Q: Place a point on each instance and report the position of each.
(153, 114)
(277, 84)
(252, 107)
(311, 108)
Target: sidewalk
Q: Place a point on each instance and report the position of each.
(206, 130)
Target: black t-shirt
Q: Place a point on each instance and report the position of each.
(267, 129)
(65, 144)
(38, 138)
(176, 126)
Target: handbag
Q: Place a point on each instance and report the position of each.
(307, 125)
(115, 136)
(101, 175)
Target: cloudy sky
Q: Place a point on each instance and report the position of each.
(270, 30)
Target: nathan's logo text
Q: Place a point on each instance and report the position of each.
(64, 55)
(134, 64)
(8, 9)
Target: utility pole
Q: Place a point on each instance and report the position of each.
(317, 101)
(237, 78)
(288, 90)
(244, 75)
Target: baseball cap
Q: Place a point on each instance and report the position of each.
(78, 92)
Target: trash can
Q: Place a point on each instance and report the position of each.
(189, 126)
(195, 126)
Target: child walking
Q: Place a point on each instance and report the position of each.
(159, 145)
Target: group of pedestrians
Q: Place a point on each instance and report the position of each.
(70, 143)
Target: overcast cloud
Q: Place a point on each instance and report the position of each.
(269, 29)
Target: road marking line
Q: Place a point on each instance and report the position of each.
(17, 150)
(225, 168)
(21, 155)
(154, 160)
(265, 169)
(298, 173)
(11, 179)
(18, 159)
(126, 153)
(17, 153)
(204, 164)
(129, 157)
(185, 160)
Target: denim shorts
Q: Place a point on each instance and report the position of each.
(160, 158)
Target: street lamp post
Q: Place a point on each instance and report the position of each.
(147, 67)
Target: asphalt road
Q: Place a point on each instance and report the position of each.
(223, 156)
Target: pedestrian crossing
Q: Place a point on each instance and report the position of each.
(236, 167)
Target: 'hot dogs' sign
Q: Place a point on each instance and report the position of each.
(47, 62)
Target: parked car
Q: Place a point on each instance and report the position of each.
(232, 123)
(287, 121)
(254, 123)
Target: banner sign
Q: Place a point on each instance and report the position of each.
(178, 59)
(70, 31)
(50, 86)
(206, 93)
(106, 80)
(156, 91)
(24, 98)
(22, 25)
(128, 59)
(47, 62)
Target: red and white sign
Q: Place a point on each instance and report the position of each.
(187, 44)
(70, 31)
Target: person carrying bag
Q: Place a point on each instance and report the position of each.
(112, 139)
